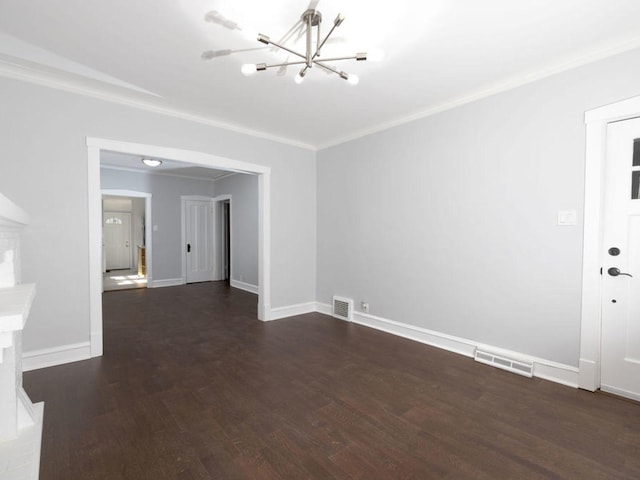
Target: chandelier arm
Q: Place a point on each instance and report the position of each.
(308, 52)
(284, 64)
(335, 59)
(328, 67)
(324, 41)
(276, 44)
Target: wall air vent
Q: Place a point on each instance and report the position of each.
(512, 365)
(342, 308)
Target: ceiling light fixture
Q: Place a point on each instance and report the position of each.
(312, 18)
(151, 162)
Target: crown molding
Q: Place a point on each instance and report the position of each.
(31, 75)
(26, 74)
(510, 84)
(166, 173)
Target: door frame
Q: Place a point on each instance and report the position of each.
(596, 121)
(218, 268)
(94, 210)
(148, 231)
(183, 238)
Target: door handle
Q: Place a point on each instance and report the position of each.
(188, 247)
(614, 272)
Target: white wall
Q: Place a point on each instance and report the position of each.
(449, 223)
(243, 189)
(43, 165)
(166, 212)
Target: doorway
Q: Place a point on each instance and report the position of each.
(620, 343)
(197, 234)
(95, 146)
(606, 295)
(126, 262)
(225, 225)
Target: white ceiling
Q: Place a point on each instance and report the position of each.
(128, 162)
(437, 53)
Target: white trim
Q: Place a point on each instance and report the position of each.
(94, 207)
(18, 72)
(324, 308)
(292, 310)
(94, 200)
(542, 368)
(247, 287)
(504, 86)
(167, 282)
(49, 357)
(218, 260)
(26, 74)
(264, 246)
(591, 321)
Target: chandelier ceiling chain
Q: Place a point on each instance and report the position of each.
(311, 18)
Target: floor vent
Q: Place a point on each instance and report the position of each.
(500, 361)
(342, 308)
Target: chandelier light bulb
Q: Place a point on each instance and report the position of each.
(298, 79)
(248, 69)
(353, 79)
(250, 33)
(375, 55)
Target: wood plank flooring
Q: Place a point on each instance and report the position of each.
(192, 386)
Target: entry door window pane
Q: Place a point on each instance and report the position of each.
(635, 171)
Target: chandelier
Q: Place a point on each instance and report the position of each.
(312, 18)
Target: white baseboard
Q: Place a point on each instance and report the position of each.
(167, 282)
(49, 357)
(542, 368)
(323, 308)
(247, 287)
(589, 378)
(292, 310)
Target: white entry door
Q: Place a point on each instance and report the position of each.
(199, 240)
(116, 231)
(620, 347)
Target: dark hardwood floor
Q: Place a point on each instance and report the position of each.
(192, 386)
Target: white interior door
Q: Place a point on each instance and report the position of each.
(117, 240)
(199, 240)
(620, 347)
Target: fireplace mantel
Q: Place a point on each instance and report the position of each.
(20, 419)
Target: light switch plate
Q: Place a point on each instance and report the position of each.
(567, 217)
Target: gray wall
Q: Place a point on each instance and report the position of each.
(43, 165)
(244, 224)
(449, 222)
(166, 212)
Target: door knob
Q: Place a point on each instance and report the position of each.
(614, 272)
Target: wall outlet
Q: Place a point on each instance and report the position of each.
(364, 306)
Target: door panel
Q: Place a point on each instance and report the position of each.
(620, 346)
(199, 238)
(117, 240)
